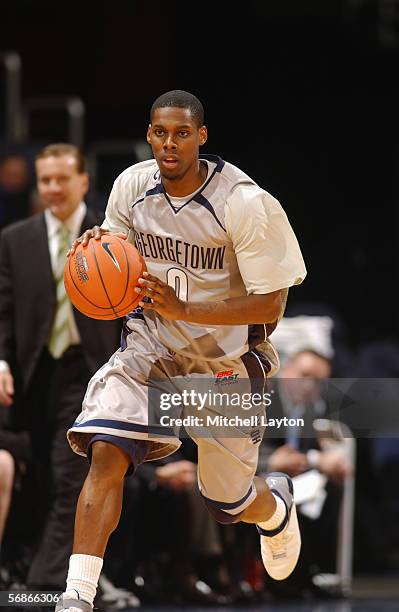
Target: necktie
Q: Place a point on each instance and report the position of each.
(293, 434)
(60, 332)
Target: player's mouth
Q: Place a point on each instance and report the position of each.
(170, 162)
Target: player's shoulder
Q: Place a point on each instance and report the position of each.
(244, 188)
(141, 171)
(134, 181)
(251, 196)
(234, 174)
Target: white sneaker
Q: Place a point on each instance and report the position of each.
(67, 603)
(280, 547)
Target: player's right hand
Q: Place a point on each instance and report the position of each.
(95, 232)
(6, 388)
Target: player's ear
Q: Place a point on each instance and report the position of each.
(149, 134)
(203, 135)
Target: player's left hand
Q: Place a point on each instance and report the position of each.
(163, 298)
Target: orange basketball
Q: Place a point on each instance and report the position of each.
(100, 278)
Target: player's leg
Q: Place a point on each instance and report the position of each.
(227, 463)
(97, 515)
(233, 493)
(115, 418)
(263, 506)
(280, 537)
(100, 501)
(227, 460)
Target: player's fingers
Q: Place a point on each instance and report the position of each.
(84, 239)
(74, 245)
(144, 292)
(98, 232)
(150, 277)
(121, 235)
(147, 305)
(151, 285)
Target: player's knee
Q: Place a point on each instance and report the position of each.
(108, 461)
(223, 517)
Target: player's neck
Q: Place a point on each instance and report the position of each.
(187, 184)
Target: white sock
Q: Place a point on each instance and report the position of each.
(83, 574)
(277, 518)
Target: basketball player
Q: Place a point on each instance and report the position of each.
(221, 256)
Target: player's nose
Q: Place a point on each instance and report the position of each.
(169, 143)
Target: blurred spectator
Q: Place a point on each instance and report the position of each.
(296, 334)
(7, 471)
(296, 450)
(15, 458)
(16, 183)
(305, 346)
(48, 350)
(339, 353)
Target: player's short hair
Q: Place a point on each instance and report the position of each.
(59, 149)
(180, 99)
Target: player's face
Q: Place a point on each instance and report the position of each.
(175, 139)
(60, 185)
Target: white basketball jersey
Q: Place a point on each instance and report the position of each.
(228, 239)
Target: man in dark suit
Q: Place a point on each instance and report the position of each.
(48, 350)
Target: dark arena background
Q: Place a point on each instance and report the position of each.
(304, 97)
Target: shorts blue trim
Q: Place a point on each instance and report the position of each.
(123, 426)
(227, 506)
(135, 449)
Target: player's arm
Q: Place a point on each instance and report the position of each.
(244, 310)
(268, 257)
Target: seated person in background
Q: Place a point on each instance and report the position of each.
(15, 458)
(7, 472)
(297, 395)
(294, 449)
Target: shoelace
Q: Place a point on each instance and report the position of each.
(277, 544)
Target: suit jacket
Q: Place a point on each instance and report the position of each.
(275, 437)
(28, 301)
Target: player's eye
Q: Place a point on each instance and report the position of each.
(183, 133)
(159, 133)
